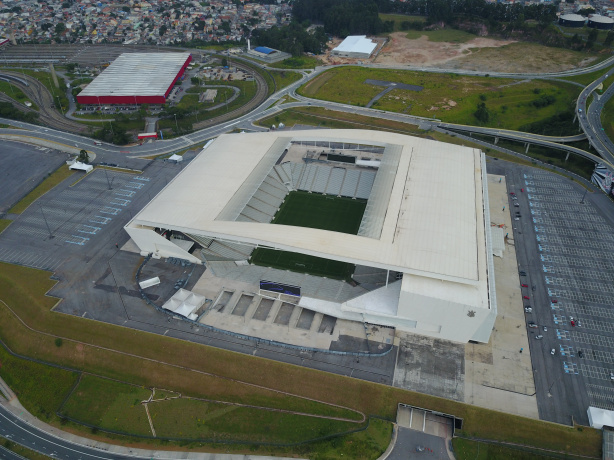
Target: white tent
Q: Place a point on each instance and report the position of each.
(81, 166)
(599, 417)
(185, 303)
(175, 157)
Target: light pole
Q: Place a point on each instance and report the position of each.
(584, 196)
(107, 176)
(46, 223)
(176, 125)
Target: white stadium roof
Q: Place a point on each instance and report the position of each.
(140, 74)
(431, 221)
(356, 44)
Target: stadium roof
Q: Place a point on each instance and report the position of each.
(433, 211)
(138, 74)
(264, 50)
(356, 44)
(573, 17)
(602, 19)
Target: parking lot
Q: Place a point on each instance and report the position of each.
(74, 214)
(23, 168)
(566, 251)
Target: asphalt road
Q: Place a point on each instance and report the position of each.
(558, 240)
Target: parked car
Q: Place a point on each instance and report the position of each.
(528, 310)
(580, 353)
(538, 337)
(531, 324)
(522, 273)
(553, 352)
(526, 297)
(512, 193)
(516, 204)
(524, 285)
(545, 329)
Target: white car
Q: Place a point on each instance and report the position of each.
(539, 337)
(553, 352)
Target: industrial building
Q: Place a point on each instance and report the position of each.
(266, 54)
(600, 22)
(136, 78)
(421, 260)
(572, 20)
(355, 46)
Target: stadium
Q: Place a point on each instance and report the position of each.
(136, 78)
(360, 225)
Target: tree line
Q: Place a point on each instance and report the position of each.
(293, 39)
(449, 11)
(344, 17)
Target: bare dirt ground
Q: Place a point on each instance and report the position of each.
(481, 54)
(421, 51)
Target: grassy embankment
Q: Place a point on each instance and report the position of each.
(151, 360)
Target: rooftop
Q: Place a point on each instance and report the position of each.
(138, 74)
(356, 44)
(431, 223)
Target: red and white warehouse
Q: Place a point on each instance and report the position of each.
(136, 78)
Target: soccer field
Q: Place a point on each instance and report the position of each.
(302, 209)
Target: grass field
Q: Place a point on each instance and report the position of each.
(303, 209)
(607, 118)
(465, 449)
(302, 62)
(30, 328)
(197, 419)
(109, 404)
(448, 97)
(283, 78)
(400, 18)
(53, 179)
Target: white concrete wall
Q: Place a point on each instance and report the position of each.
(149, 241)
(440, 318)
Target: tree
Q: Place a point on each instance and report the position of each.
(609, 38)
(59, 28)
(163, 29)
(592, 36)
(83, 156)
(482, 114)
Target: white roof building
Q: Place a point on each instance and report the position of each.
(426, 218)
(355, 46)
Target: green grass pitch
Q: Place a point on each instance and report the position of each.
(303, 209)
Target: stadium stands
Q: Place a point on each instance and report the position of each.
(329, 180)
(378, 191)
(335, 181)
(311, 286)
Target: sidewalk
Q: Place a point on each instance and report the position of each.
(14, 406)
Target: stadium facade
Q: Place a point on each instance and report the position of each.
(136, 78)
(426, 225)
